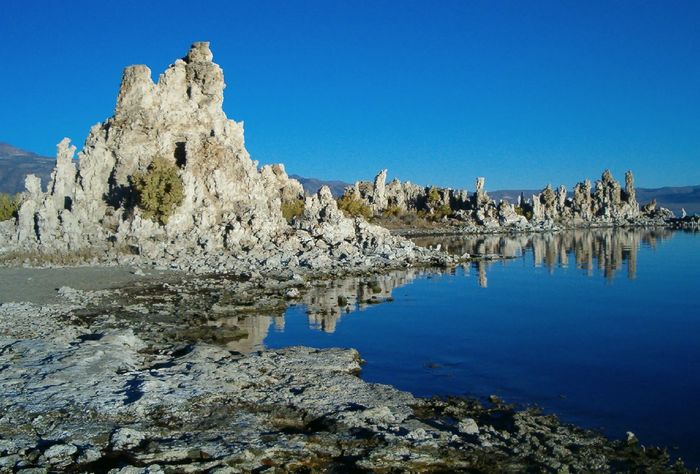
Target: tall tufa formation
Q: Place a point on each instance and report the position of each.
(480, 196)
(227, 201)
(581, 204)
(228, 205)
(606, 204)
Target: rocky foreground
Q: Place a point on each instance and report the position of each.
(144, 379)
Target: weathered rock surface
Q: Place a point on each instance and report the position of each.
(231, 210)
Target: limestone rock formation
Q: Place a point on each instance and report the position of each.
(179, 118)
(581, 203)
(229, 207)
(477, 209)
(508, 217)
(406, 197)
(380, 201)
(606, 204)
(278, 183)
(480, 196)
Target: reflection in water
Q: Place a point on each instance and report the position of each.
(326, 302)
(252, 331)
(606, 249)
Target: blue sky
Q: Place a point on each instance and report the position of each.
(524, 93)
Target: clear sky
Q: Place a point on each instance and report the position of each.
(439, 92)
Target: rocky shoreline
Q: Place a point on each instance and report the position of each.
(144, 379)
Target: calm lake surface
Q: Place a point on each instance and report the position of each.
(599, 327)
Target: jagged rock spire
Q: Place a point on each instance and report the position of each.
(179, 118)
(229, 206)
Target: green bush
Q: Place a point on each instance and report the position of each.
(548, 197)
(522, 212)
(351, 205)
(159, 190)
(9, 205)
(433, 196)
(292, 209)
(442, 211)
(392, 211)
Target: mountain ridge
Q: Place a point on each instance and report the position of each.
(16, 164)
(312, 185)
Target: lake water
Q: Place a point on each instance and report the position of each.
(599, 327)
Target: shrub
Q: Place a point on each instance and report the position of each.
(433, 196)
(9, 205)
(392, 211)
(548, 197)
(292, 209)
(159, 190)
(442, 211)
(522, 212)
(351, 205)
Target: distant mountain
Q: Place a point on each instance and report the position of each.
(312, 185)
(511, 195)
(674, 198)
(16, 163)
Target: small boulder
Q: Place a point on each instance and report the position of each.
(125, 438)
(292, 293)
(60, 454)
(468, 426)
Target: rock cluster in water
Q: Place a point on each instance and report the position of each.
(605, 204)
(229, 208)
